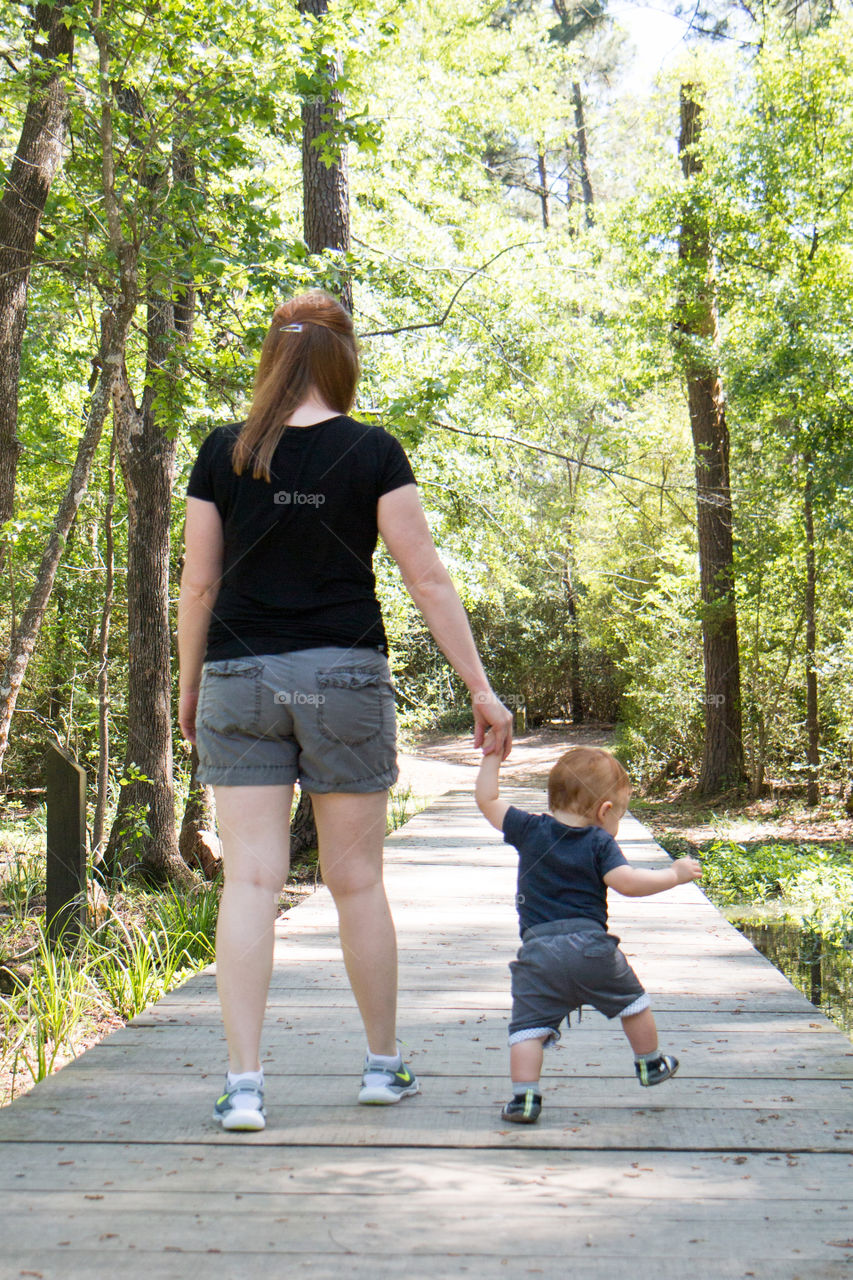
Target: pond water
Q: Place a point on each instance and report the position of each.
(822, 972)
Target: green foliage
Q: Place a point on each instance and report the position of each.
(56, 998)
(733, 873)
(815, 885)
(45, 1016)
(503, 353)
(21, 882)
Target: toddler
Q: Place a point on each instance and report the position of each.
(567, 861)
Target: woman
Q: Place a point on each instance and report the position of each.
(284, 673)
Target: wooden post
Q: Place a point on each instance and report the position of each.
(66, 846)
(520, 726)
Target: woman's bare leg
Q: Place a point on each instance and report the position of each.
(351, 836)
(254, 825)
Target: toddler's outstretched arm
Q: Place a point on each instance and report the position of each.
(487, 790)
(634, 882)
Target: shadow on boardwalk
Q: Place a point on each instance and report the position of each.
(741, 1166)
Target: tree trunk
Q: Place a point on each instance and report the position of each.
(812, 726)
(143, 835)
(303, 830)
(115, 322)
(325, 188)
(575, 682)
(198, 842)
(722, 763)
(28, 183)
(59, 673)
(580, 138)
(101, 795)
(543, 187)
(574, 646)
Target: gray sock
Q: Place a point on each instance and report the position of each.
(521, 1086)
(647, 1057)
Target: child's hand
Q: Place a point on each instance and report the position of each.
(687, 869)
(489, 742)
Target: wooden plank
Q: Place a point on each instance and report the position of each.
(44, 1167)
(83, 1080)
(448, 1047)
(296, 985)
(276, 1224)
(204, 1006)
(735, 1165)
(301, 1054)
(205, 1010)
(83, 1264)
(168, 1119)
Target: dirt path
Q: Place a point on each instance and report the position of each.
(441, 763)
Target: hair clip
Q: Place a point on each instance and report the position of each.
(290, 328)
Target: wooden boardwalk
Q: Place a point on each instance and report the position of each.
(742, 1166)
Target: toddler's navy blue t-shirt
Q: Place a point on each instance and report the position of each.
(561, 869)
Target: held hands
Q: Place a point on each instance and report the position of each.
(686, 869)
(492, 724)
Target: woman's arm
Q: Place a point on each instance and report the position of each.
(200, 582)
(406, 534)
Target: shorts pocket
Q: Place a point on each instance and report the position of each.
(230, 695)
(597, 946)
(356, 704)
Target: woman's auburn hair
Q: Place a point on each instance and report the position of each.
(322, 356)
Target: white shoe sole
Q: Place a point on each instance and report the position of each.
(382, 1096)
(248, 1121)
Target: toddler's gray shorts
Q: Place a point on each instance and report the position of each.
(323, 716)
(565, 964)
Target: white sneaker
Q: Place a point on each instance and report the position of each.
(241, 1106)
(381, 1086)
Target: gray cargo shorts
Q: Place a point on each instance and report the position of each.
(324, 717)
(563, 965)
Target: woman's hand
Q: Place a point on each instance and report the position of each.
(187, 704)
(490, 713)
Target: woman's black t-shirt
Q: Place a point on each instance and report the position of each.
(298, 557)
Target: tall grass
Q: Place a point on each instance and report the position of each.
(114, 971)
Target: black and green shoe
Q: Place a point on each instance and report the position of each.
(380, 1087)
(523, 1108)
(656, 1071)
(241, 1107)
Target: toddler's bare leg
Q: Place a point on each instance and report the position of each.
(641, 1031)
(525, 1060)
